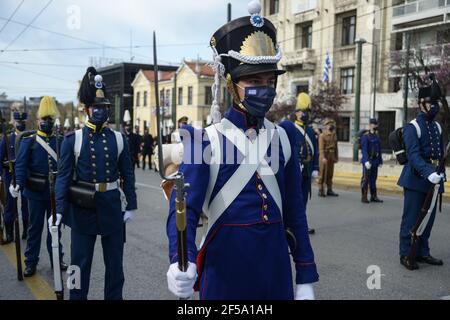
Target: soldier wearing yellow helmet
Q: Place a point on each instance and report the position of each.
(308, 151)
(37, 155)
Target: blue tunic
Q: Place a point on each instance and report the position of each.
(97, 163)
(371, 152)
(245, 255)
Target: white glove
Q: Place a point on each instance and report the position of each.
(15, 192)
(435, 178)
(181, 283)
(129, 216)
(305, 292)
(315, 174)
(58, 220)
(368, 165)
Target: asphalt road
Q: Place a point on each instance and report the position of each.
(350, 237)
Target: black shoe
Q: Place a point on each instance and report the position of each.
(321, 194)
(25, 230)
(311, 231)
(9, 230)
(430, 260)
(331, 193)
(374, 198)
(29, 271)
(409, 265)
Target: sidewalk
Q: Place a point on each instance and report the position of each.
(348, 176)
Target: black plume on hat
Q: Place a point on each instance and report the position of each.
(92, 89)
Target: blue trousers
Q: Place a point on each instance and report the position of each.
(9, 212)
(373, 175)
(413, 201)
(306, 187)
(82, 252)
(40, 211)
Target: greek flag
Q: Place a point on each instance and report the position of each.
(326, 69)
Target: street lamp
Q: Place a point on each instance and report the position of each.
(359, 42)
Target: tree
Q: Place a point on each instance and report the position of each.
(424, 61)
(327, 100)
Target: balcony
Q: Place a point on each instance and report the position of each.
(420, 13)
(303, 57)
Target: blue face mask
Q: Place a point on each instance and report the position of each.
(304, 117)
(20, 126)
(259, 100)
(99, 115)
(434, 110)
(46, 126)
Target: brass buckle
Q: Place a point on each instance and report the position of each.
(102, 187)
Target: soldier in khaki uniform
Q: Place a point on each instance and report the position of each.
(328, 154)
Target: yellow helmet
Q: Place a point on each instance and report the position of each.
(47, 108)
(303, 102)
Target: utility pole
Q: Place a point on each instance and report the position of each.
(117, 112)
(174, 100)
(406, 78)
(375, 81)
(359, 43)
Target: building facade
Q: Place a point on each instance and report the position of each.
(184, 92)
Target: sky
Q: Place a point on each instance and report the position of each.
(46, 46)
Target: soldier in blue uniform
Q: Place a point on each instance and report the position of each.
(5, 176)
(36, 156)
(424, 148)
(250, 203)
(371, 160)
(308, 148)
(95, 190)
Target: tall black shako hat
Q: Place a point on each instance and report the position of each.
(431, 92)
(92, 89)
(243, 47)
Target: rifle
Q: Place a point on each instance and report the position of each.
(178, 179)
(54, 229)
(12, 170)
(426, 210)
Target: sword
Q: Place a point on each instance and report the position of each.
(54, 229)
(424, 223)
(178, 179)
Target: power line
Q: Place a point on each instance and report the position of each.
(37, 73)
(11, 16)
(106, 47)
(28, 25)
(44, 64)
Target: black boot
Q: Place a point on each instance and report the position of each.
(331, 193)
(9, 230)
(430, 260)
(322, 193)
(410, 265)
(374, 198)
(25, 230)
(364, 196)
(29, 271)
(311, 231)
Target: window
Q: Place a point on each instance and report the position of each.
(168, 100)
(343, 129)
(190, 95)
(138, 99)
(303, 35)
(347, 80)
(301, 88)
(161, 98)
(208, 96)
(348, 30)
(443, 36)
(145, 98)
(180, 96)
(274, 6)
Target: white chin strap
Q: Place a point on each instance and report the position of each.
(219, 70)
